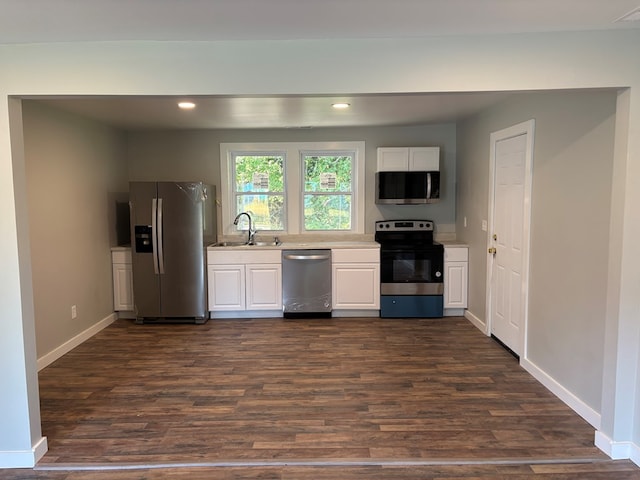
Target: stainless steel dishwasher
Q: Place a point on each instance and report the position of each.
(306, 283)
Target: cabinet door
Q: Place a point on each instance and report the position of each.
(356, 286)
(424, 159)
(122, 287)
(455, 284)
(393, 159)
(264, 287)
(226, 288)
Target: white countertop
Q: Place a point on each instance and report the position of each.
(454, 243)
(293, 245)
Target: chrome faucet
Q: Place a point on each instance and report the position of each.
(251, 232)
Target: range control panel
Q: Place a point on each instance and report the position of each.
(404, 225)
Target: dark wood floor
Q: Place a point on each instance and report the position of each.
(306, 399)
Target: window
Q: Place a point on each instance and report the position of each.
(259, 189)
(294, 188)
(327, 190)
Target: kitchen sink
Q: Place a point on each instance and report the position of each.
(229, 244)
(273, 243)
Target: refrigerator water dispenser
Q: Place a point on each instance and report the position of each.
(144, 243)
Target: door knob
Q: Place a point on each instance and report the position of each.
(492, 251)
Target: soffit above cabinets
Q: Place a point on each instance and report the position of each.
(295, 112)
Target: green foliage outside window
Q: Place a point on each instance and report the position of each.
(327, 190)
(327, 187)
(265, 203)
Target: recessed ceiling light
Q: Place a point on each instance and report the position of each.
(340, 106)
(186, 105)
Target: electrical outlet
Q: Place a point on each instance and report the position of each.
(74, 311)
(465, 222)
(484, 225)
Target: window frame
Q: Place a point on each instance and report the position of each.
(303, 192)
(293, 186)
(234, 194)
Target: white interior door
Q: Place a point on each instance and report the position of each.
(511, 154)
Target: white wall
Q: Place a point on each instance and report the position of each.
(195, 154)
(74, 167)
(435, 64)
(571, 201)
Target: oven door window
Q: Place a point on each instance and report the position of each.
(417, 266)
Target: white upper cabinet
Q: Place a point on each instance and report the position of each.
(393, 159)
(402, 159)
(424, 159)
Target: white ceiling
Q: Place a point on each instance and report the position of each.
(26, 21)
(135, 113)
(34, 21)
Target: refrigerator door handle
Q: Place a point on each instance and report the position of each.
(154, 229)
(160, 235)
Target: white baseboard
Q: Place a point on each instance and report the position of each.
(617, 450)
(279, 314)
(69, 345)
(24, 458)
(573, 402)
(479, 324)
(635, 454)
(355, 313)
(246, 314)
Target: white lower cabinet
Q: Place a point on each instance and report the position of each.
(456, 273)
(264, 286)
(122, 280)
(226, 287)
(356, 279)
(244, 280)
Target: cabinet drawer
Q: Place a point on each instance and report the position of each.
(355, 255)
(121, 256)
(456, 254)
(230, 257)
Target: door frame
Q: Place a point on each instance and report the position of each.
(525, 128)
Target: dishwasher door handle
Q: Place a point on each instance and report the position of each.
(306, 257)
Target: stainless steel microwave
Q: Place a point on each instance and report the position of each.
(407, 188)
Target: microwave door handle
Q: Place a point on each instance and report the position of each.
(428, 185)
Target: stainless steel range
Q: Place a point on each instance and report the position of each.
(411, 266)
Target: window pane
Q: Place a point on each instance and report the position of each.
(324, 173)
(267, 211)
(259, 173)
(327, 212)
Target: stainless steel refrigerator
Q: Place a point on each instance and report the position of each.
(171, 225)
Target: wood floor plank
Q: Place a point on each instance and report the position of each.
(330, 390)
